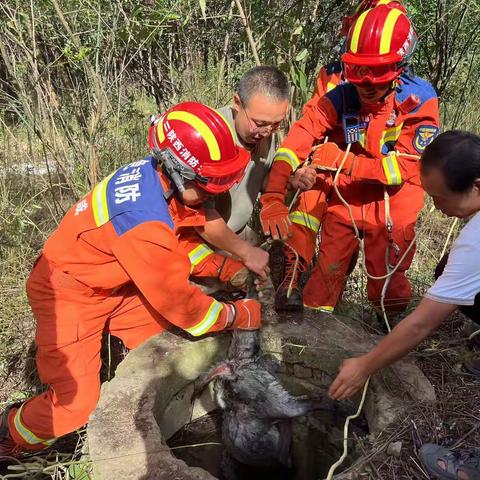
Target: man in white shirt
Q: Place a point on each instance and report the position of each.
(450, 173)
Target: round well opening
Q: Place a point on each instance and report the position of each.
(149, 402)
(193, 431)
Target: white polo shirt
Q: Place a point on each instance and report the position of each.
(460, 281)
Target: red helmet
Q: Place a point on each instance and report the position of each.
(365, 5)
(196, 143)
(379, 43)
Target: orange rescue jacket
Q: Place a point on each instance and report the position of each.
(405, 123)
(124, 231)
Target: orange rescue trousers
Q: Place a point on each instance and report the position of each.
(339, 247)
(71, 319)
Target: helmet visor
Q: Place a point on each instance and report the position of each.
(375, 74)
(222, 184)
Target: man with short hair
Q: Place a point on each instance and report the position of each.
(258, 109)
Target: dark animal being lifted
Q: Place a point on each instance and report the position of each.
(257, 410)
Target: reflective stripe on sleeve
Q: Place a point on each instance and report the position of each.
(391, 169)
(198, 254)
(99, 202)
(208, 320)
(305, 219)
(287, 155)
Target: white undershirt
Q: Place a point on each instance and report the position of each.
(460, 281)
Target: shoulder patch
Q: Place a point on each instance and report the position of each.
(424, 136)
(130, 196)
(414, 86)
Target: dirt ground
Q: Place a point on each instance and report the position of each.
(454, 421)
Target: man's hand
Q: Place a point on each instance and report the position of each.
(274, 216)
(328, 157)
(353, 374)
(256, 260)
(303, 178)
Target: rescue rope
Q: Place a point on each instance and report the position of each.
(388, 220)
(357, 235)
(295, 267)
(450, 233)
(361, 241)
(305, 164)
(290, 206)
(387, 277)
(332, 469)
(474, 334)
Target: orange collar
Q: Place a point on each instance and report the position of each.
(378, 108)
(182, 215)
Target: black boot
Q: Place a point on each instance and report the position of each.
(291, 279)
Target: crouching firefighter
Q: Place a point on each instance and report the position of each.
(115, 264)
(386, 117)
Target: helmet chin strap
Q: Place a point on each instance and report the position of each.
(177, 171)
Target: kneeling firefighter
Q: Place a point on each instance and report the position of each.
(115, 264)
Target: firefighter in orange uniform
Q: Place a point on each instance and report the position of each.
(115, 264)
(388, 117)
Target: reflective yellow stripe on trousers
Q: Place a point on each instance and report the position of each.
(208, 320)
(26, 434)
(323, 308)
